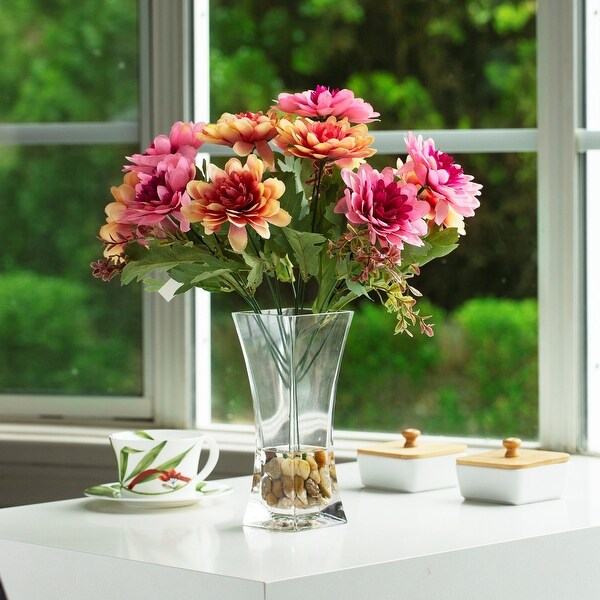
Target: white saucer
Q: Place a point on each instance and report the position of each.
(112, 493)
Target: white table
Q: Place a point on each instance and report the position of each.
(431, 545)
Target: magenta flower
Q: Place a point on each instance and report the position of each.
(449, 189)
(323, 102)
(388, 208)
(161, 193)
(183, 139)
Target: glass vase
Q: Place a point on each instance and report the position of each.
(293, 363)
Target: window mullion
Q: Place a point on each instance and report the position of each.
(165, 89)
(560, 256)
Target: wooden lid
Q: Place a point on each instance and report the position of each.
(513, 457)
(409, 448)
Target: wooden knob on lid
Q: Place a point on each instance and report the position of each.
(512, 447)
(411, 435)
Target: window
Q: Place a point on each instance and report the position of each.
(69, 90)
(535, 149)
(80, 89)
(458, 382)
(502, 135)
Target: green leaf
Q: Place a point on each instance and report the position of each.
(190, 265)
(306, 247)
(143, 434)
(209, 275)
(342, 301)
(145, 463)
(124, 459)
(284, 268)
(337, 219)
(173, 462)
(109, 491)
(153, 285)
(257, 269)
(328, 277)
(437, 244)
(294, 173)
(157, 257)
(356, 288)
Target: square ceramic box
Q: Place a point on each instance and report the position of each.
(512, 476)
(406, 466)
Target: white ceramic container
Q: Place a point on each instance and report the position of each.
(406, 466)
(513, 475)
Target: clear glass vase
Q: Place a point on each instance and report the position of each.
(293, 363)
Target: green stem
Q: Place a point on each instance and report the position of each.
(239, 288)
(316, 192)
(274, 294)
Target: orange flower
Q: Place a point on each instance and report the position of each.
(331, 140)
(116, 234)
(237, 195)
(243, 132)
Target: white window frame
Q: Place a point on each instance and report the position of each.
(592, 216)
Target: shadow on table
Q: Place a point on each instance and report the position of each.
(2, 592)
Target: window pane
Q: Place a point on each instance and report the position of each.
(68, 60)
(62, 330)
(422, 65)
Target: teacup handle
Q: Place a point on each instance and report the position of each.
(213, 457)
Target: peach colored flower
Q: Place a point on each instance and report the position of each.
(237, 195)
(115, 237)
(243, 132)
(331, 140)
(323, 102)
(116, 233)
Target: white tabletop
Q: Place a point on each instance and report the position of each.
(419, 546)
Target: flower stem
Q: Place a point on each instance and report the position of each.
(274, 292)
(316, 192)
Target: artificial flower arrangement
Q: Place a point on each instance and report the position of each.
(314, 216)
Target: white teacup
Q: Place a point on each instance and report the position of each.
(156, 462)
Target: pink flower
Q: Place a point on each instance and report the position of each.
(244, 132)
(388, 208)
(185, 134)
(183, 139)
(237, 195)
(449, 189)
(161, 193)
(330, 140)
(323, 102)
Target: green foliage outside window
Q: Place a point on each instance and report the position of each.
(61, 331)
(477, 376)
